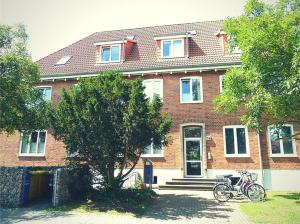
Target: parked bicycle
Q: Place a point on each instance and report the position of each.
(229, 187)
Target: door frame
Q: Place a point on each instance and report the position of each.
(203, 145)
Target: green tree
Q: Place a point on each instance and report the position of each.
(18, 98)
(106, 122)
(266, 87)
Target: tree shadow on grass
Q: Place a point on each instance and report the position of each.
(174, 207)
(291, 196)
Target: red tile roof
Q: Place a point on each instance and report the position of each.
(205, 49)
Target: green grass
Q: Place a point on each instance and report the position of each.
(279, 208)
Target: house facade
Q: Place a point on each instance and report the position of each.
(185, 65)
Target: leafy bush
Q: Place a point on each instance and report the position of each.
(79, 182)
(132, 200)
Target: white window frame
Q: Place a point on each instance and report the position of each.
(221, 78)
(282, 154)
(152, 81)
(171, 48)
(28, 145)
(44, 87)
(236, 154)
(191, 95)
(152, 154)
(110, 47)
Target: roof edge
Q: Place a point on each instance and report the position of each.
(200, 68)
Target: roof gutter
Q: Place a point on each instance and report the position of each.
(145, 71)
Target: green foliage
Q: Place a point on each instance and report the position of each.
(266, 87)
(21, 106)
(125, 200)
(139, 181)
(105, 122)
(79, 182)
(121, 202)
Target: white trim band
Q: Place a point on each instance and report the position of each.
(140, 72)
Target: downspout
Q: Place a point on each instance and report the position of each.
(123, 52)
(187, 45)
(260, 158)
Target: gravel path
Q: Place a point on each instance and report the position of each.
(182, 207)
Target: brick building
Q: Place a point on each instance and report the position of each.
(184, 64)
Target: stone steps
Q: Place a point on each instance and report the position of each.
(200, 184)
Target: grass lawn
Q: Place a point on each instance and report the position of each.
(279, 207)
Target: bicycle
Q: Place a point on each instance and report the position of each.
(229, 187)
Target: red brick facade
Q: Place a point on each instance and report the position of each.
(197, 113)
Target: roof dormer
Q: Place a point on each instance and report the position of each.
(173, 45)
(113, 51)
(224, 41)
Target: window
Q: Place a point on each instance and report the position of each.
(236, 141)
(33, 144)
(191, 90)
(153, 87)
(153, 151)
(281, 142)
(172, 48)
(221, 82)
(46, 92)
(63, 60)
(110, 53)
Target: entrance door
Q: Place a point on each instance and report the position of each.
(193, 151)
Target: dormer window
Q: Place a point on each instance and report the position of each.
(111, 53)
(172, 48)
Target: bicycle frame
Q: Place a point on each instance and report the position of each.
(239, 188)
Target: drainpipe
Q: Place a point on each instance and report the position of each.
(260, 158)
(187, 44)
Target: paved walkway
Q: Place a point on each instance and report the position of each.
(182, 207)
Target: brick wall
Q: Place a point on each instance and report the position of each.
(181, 114)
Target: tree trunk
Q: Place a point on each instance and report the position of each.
(111, 176)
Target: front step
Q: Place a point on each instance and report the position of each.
(206, 183)
(199, 184)
(195, 179)
(186, 187)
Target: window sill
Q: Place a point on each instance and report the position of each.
(152, 156)
(284, 156)
(237, 156)
(108, 62)
(172, 57)
(192, 102)
(31, 155)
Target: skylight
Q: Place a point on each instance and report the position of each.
(63, 60)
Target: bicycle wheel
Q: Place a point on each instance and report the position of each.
(221, 192)
(256, 192)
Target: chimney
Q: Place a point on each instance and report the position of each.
(223, 39)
